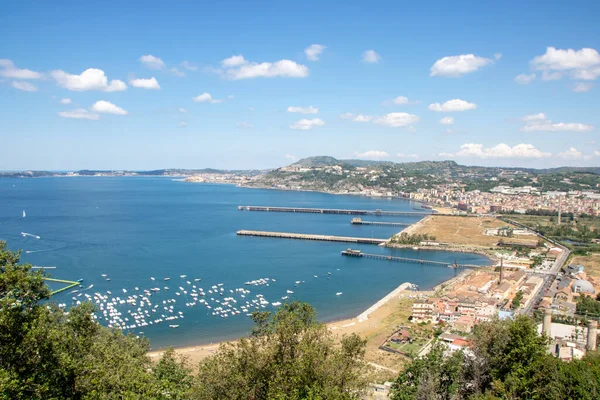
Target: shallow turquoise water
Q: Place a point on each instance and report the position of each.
(132, 229)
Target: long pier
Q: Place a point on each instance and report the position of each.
(335, 211)
(358, 253)
(303, 236)
(358, 221)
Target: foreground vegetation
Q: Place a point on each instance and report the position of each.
(46, 353)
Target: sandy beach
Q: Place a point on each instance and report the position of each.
(374, 328)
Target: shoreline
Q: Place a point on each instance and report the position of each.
(340, 326)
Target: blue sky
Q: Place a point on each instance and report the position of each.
(516, 83)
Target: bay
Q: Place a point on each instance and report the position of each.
(132, 229)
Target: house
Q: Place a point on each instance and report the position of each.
(401, 336)
(574, 269)
(464, 323)
(423, 311)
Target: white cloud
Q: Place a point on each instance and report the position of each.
(524, 79)
(497, 56)
(9, 70)
(244, 125)
(397, 119)
(447, 121)
(307, 124)
(540, 123)
(314, 51)
(362, 118)
(498, 151)
(290, 157)
(24, 86)
(534, 118)
(206, 98)
(65, 101)
(176, 72)
(141, 83)
(582, 87)
(551, 76)
(371, 56)
(152, 62)
(106, 107)
(400, 100)
(372, 154)
(90, 79)
(452, 106)
(189, 66)
(597, 153)
(79, 113)
(455, 66)
(583, 64)
(402, 155)
(234, 61)
(557, 127)
(236, 70)
(571, 154)
(181, 110)
(182, 125)
(303, 110)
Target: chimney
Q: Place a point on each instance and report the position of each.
(547, 323)
(592, 335)
(501, 271)
(559, 208)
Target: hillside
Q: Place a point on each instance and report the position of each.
(327, 173)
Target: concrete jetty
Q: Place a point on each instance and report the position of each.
(358, 253)
(303, 236)
(334, 211)
(358, 221)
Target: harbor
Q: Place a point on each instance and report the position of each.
(335, 211)
(303, 236)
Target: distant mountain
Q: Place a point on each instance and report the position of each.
(318, 161)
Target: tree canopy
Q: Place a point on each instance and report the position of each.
(507, 360)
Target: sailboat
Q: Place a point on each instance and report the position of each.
(24, 215)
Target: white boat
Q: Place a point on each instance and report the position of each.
(173, 326)
(167, 279)
(152, 277)
(182, 276)
(24, 215)
(338, 294)
(277, 303)
(289, 291)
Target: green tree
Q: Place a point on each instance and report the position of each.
(516, 302)
(288, 356)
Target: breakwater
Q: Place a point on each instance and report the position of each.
(302, 236)
(365, 314)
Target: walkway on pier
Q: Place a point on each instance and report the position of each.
(303, 236)
(335, 211)
(358, 221)
(358, 253)
(70, 284)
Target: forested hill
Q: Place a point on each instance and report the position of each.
(338, 175)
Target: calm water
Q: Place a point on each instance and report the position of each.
(132, 229)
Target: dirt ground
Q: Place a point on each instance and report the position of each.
(464, 231)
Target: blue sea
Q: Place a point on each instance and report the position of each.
(131, 229)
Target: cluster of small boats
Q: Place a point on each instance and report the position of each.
(138, 308)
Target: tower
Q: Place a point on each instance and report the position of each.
(559, 208)
(547, 323)
(592, 335)
(501, 271)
